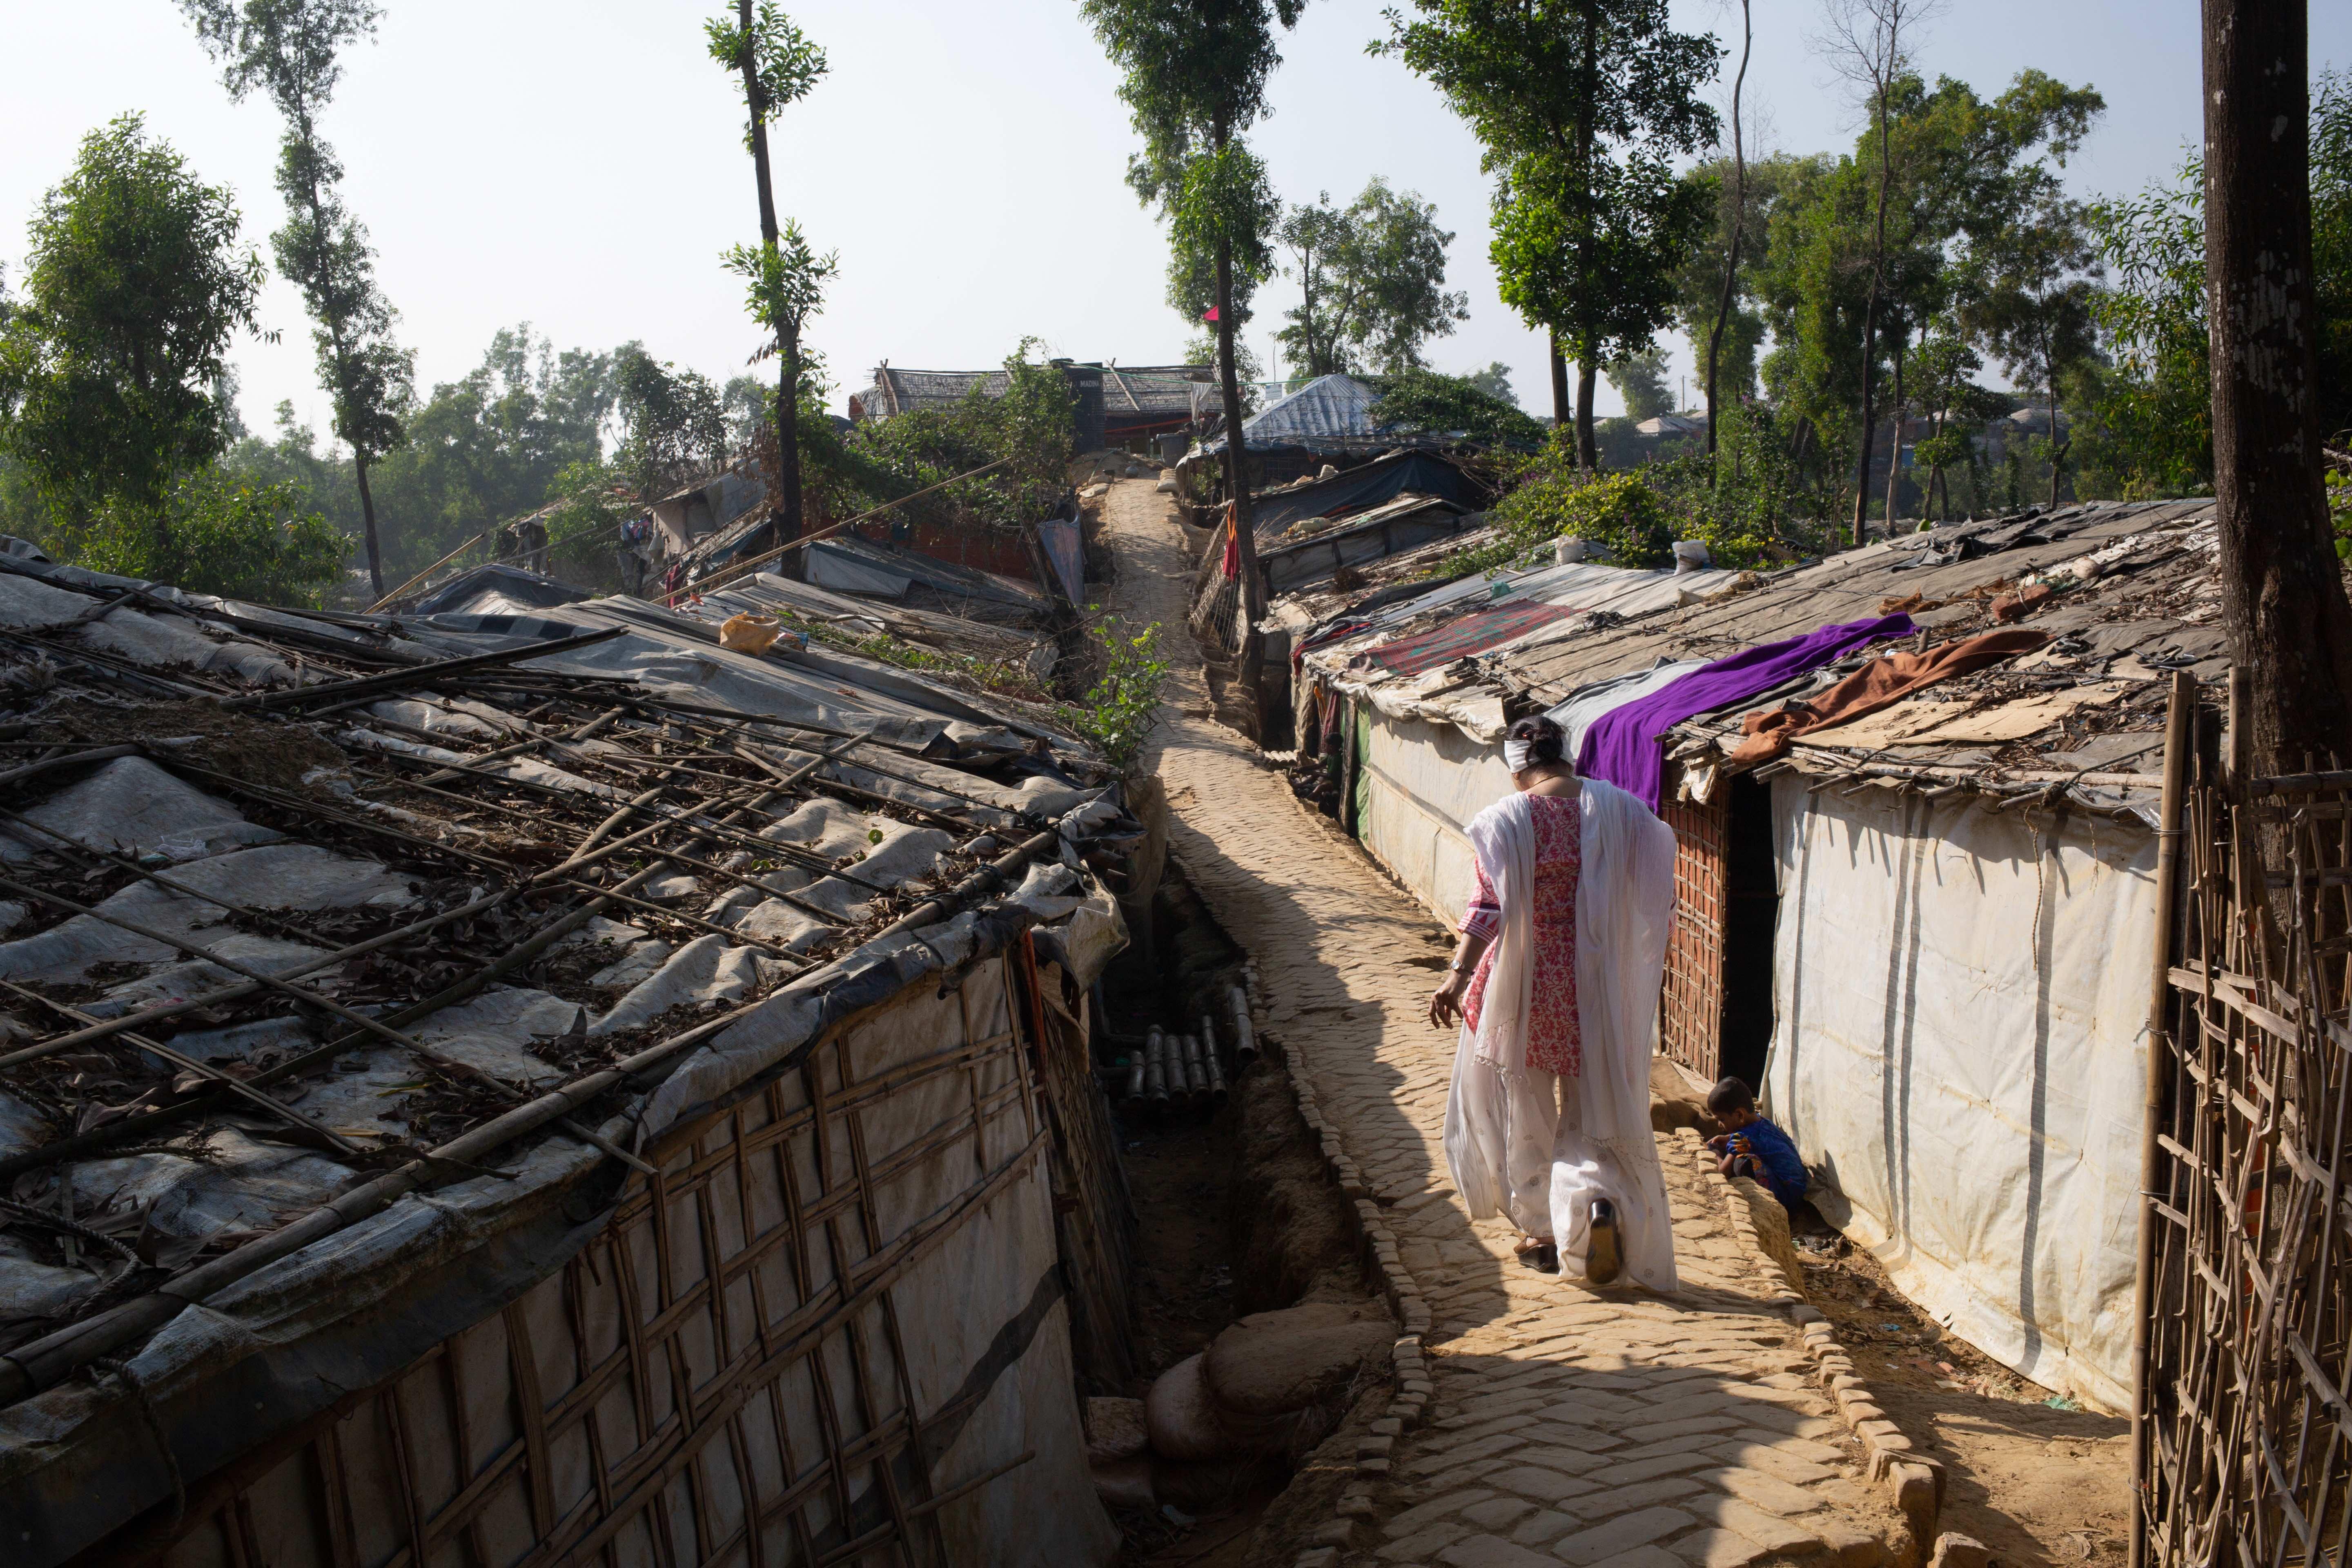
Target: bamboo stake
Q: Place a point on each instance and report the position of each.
(744, 568)
(2180, 716)
(428, 572)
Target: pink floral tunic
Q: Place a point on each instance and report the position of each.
(1555, 1039)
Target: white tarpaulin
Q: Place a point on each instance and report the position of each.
(1960, 997)
(1422, 782)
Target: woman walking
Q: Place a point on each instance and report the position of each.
(1555, 989)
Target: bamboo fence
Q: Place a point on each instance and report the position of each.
(2243, 1437)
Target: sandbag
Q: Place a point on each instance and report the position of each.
(1271, 1363)
(1116, 1429)
(1180, 1418)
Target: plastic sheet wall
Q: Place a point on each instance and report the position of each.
(1421, 783)
(1960, 995)
(835, 1326)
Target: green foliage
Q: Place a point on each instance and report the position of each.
(1033, 424)
(2331, 245)
(1495, 381)
(676, 428)
(110, 363)
(1372, 281)
(1617, 515)
(1699, 283)
(1580, 107)
(1219, 199)
(1192, 75)
(785, 282)
(1641, 380)
(289, 50)
(784, 62)
(1122, 708)
(217, 534)
(1426, 401)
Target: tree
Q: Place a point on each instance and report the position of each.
(1868, 39)
(1966, 182)
(289, 48)
(1372, 282)
(111, 362)
(673, 424)
(2283, 598)
(2036, 307)
(1579, 106)
(1420, 400)
(1194, 74)
(785, 278)
(1734, 257)
(1494, 381)
(1641, 380)
(2158, 406)
(1735, 227)
(221, 534)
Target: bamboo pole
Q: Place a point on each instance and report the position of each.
(2178, 733)
(742, 568)
(428, 572)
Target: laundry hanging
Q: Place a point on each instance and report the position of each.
(1623, 745)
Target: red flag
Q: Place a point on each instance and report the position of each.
(1211, 314)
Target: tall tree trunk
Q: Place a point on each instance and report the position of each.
(2283, 596)
(1236, 455)
(367, 522)
(786, 514)
(1588, 456)
(788, 442)
(1894, 439)
(1739, 224)
(1563, 413)
(1870, 310)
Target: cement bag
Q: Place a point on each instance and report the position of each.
(749, 633)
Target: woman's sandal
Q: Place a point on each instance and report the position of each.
(1538, 1255)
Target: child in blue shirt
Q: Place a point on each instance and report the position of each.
(1753, 1147)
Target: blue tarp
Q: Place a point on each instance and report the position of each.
(1332, 413)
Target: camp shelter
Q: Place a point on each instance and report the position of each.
(1354, 491)
(1925, 931)
(1115, 406)
(494, 587)
(882, 569)
(530, 1088)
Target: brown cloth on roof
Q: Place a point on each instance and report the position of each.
(1881, 683)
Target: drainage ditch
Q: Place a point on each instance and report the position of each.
(1235, 1216)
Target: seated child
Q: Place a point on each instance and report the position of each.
(1753, 1147)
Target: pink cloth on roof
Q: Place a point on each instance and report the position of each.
(1555, 1039)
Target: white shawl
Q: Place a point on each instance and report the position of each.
(1624, 904)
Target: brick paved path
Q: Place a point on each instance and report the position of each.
(1564, 1425)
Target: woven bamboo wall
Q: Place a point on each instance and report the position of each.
(2249, 1434)
(1690, 1013)
(778, 1352)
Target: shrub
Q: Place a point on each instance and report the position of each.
(1122, 708)
(216, 533)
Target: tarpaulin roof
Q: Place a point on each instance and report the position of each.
(888, 570)
(352, 897)
(1330, 413)
(1363, 486)
(496, 586)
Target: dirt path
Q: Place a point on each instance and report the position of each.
(1563, 1424)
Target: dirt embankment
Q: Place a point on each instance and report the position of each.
(1235, 1216)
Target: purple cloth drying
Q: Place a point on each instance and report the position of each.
(1622, 746)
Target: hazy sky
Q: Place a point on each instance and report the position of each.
(579, 166)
